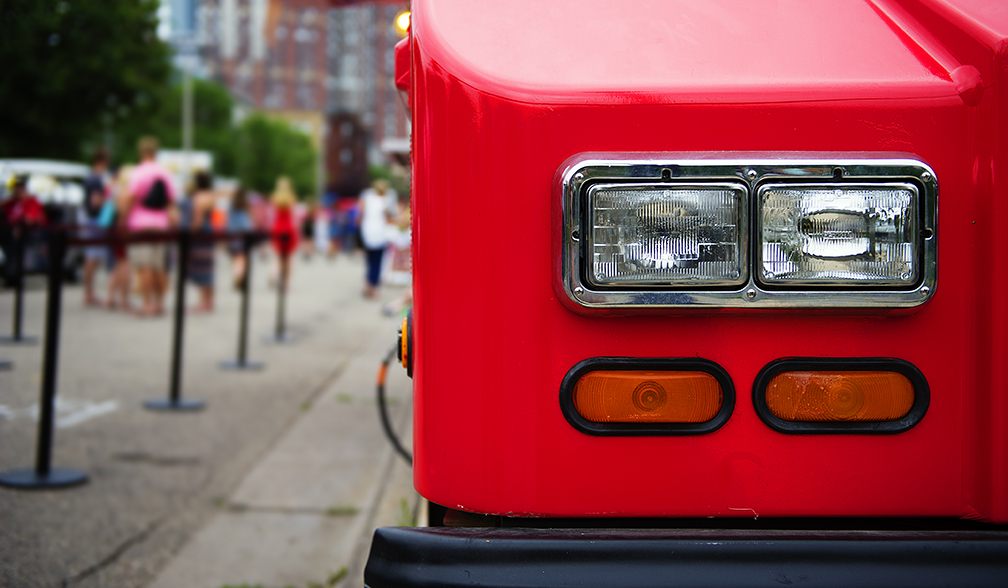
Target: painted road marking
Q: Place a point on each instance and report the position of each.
(69, 412)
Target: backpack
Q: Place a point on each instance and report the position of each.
(157, 196)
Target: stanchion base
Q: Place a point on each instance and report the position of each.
(22, 340)
(6, 364)
(281, 339)
(182, 405)
(27, 479)
(241, 365)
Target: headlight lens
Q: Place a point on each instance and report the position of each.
(839, 235)
(667, 235)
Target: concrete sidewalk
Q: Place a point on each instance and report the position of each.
(280, 480)
(307, 510)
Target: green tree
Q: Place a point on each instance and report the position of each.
(269, 148)
(70, 67)
(213, 129)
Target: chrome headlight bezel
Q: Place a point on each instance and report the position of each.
(753, 170)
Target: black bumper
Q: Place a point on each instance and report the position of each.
(642, 558)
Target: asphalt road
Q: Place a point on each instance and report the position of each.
(286, 463)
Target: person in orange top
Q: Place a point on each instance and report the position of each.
(285, 234)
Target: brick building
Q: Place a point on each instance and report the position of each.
(325, 65)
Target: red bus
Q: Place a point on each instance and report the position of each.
(707, 293)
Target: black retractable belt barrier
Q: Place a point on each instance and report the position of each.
(44, 476)
(242, 363)
(280, 334)
(17, 261)
(175, 402)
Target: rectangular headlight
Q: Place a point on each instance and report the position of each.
(666, 235)
(842, 234)
(655, 232)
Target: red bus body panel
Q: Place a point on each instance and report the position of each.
(502, 93)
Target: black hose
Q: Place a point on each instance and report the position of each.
(383, 410)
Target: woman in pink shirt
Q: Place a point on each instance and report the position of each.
(151, 208)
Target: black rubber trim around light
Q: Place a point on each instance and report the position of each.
(657, 364)
(922, 394)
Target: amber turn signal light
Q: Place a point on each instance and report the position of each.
(637, 396)
(647, 396)
(839, 396)
(842, 395)
(405, 347)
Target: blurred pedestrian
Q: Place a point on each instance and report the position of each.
(402, 263)
(151, 209)
(239, 221)
(378, 209)
(349, 211)
(261, 212)
(334, 225)
(88, 215)
(320, 237)
(285, 235)
(20, 215)
(113, 219)
(308, 230)
(22, 208)
(200, 264)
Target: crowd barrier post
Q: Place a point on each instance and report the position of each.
(6, 364)
(175, 402)
(43, 475)
(242, 362)
(17, 255)
(280, 334)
